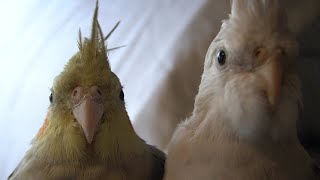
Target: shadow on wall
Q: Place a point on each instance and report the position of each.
(309, 71)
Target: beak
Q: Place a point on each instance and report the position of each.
(88, 110)
(271, 73)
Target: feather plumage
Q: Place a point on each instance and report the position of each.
(62, 149)
(244, 121)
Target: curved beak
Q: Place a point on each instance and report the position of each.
(272, 72)
(88, 111)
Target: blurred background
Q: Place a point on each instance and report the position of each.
(160, 67)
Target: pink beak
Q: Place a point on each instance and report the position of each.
(88, 110)
(272, 73)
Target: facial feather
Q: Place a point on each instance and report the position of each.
(254, 33)
(61, 135)
(244, 121)
(87, 133)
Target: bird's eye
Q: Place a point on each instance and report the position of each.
(121, 95)
(221, 57)
(51, 98)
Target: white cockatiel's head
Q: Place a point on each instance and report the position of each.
(249, 75)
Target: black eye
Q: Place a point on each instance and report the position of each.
(121, 95)
(51, 98)
(221, 57)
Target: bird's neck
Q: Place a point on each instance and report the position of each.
(118, 139)
(59, 143)
(240, 119)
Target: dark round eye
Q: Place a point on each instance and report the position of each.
(51, 98)
(221, 57)
(121, 95)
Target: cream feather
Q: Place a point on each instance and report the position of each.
(61, 149)
(235, 131)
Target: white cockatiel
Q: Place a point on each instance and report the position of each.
(243, 126)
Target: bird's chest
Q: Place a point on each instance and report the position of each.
(228, 161)
(201, 161)
(103, 171)
(85, 170)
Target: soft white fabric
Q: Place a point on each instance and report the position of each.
(159, 68)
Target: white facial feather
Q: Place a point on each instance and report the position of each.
(236, 131)
(234, 88)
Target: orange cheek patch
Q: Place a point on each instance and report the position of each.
(43, 128)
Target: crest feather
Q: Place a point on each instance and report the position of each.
(80, 39)
(256, 23)
(114, 28)
(93, 50)
(102, 46)
(90, 48)
(262, 13)
(94, 35)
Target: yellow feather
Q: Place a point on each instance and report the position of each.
(60, 149)
(86, 68)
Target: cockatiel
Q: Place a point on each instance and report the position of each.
(87, 133)
(243, 126)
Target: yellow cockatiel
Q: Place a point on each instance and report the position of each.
(87, 133)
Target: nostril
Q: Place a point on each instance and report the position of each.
(76, 92)
(282, 52)
(257, 52)
(260, 54)
(99, 91)
(96, 90)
